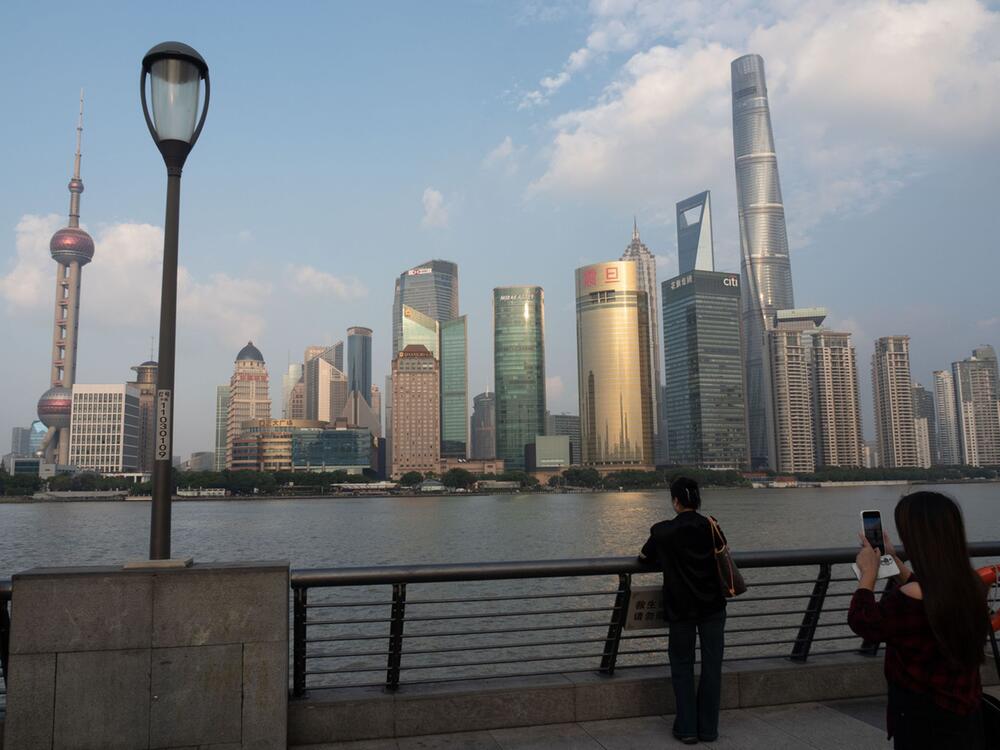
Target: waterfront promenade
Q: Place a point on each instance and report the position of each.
(858, 724)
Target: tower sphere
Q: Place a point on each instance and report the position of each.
(72, 244)
(55, 407)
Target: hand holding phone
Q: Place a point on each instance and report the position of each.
(871, 527)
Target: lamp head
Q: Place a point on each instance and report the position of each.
(175, 71)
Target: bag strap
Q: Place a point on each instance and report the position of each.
(716, 531)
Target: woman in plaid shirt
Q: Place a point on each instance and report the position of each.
(934, 628)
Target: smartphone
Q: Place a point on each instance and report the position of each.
(871, 527)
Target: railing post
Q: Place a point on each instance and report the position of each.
(396, 636)
(810, 620)
(611, 643)
(299, 642)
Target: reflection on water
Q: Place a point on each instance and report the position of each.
(376, 531)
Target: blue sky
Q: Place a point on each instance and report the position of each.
(346, 143)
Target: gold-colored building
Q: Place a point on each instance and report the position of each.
(612, 343)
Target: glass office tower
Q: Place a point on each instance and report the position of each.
(221, 423)
(420, 329)
(612, 335)
(767, 272)
(454, 389)
(359, 362)
(703, 364)
(518, 370)
(483, 432)
(430, 288)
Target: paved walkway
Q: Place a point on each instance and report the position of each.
(856, 724)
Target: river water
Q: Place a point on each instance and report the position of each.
(334, 532)
(331, 532)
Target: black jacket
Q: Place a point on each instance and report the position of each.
(683, 549)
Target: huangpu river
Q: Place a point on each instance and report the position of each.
(332, 532)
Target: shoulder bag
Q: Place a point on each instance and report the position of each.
(730, 577)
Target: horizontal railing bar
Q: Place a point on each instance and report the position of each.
(465, 600)
(380, 668)
(350, 655)
(322, 605)
(469, 600)
(789, 612)
(570, 568)
(347, 622)
(411, 652)
(384, 636)
(475, 616)
(350, 685)
(782, 597)
(437, 680)
(730, 631)
(530, 629)
(456, 665)
(782, 654)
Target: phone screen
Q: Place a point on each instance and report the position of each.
(873, 529)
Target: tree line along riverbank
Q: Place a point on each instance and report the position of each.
(281, 484)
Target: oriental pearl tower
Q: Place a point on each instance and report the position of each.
(71, 248)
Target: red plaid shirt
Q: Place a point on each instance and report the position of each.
(913, 660)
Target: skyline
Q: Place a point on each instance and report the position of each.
(498, 201)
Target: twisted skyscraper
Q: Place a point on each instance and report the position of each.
(767, 273)
(71, 248)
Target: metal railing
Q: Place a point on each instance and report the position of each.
(471, 621)
(363, 627)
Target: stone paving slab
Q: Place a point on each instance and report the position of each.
(802, 726)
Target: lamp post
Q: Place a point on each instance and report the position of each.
(175, 72)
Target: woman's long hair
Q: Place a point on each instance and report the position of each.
(932, 531)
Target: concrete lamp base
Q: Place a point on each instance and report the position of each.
(149, 657)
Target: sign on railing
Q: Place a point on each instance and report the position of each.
(645, 608)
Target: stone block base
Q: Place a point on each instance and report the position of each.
(149, 658)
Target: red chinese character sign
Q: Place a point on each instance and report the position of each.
(590, 277)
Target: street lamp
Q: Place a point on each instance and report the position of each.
(175, 71)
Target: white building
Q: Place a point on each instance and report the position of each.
(104, 429)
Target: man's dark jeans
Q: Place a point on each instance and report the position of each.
(697, 713)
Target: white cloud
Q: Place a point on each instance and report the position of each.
(863, 95)
(244, 236)
(504, 157)
(25, 284)
(312, 280)
(435, 210)
(121, 287)
(989, 322)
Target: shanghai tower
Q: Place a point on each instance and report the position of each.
(767, 273)
(71, 248)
